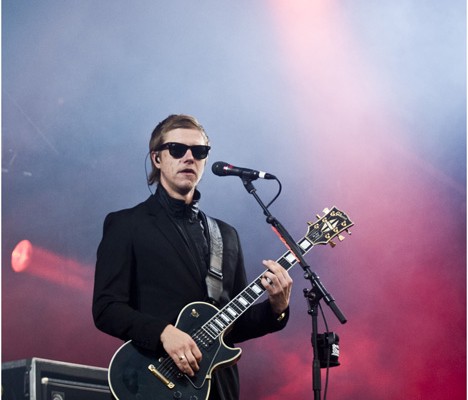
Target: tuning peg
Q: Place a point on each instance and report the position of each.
(341, 238)
(332, 244)
(326, 210)
(348, 231)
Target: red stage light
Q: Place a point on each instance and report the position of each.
(44, 264)
(21, 256)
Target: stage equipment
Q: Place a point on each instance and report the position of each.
(331, 224)
(41, 379)
(221, 168)
(328, 349)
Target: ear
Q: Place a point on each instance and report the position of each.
(155, 158)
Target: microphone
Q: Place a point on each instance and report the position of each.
(221, 168)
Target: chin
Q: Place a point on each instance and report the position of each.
(187, 187)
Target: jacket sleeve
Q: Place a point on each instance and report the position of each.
(112, 311)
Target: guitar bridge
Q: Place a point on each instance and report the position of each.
(161, 377)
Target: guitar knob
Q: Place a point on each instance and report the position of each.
(177, 395)
(194, 397)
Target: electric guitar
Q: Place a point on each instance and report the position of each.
(138, 374)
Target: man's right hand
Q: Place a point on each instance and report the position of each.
(182, 349)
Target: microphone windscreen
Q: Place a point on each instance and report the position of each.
(218, 168)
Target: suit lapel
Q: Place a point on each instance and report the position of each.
(166, 226)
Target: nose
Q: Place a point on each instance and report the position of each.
(188, 155)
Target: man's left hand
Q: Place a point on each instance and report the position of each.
(278, 284)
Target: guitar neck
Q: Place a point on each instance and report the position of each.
(321, 231)
(222, 320)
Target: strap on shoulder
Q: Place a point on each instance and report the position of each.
(214, 278)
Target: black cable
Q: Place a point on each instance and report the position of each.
(277, 194)
(327, 373)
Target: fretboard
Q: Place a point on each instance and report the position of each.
(224, 318)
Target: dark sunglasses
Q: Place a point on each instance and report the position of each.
(178, 150)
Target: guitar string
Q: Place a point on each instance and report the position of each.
(168, 367)
(168, 364)
(236, 303)
(249, 292)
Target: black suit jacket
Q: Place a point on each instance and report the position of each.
(145, 274)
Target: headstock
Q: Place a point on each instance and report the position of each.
(328, 227)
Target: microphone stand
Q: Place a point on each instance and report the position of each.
(313, 295)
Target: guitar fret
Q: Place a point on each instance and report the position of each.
(284, 263)
(243, 301)
(239, 306)
(203, 331)
(223, 316)
(212, 331)
(235, 307)
(249, 293)
(221, 325)
(251, 296)
(257, 289)
(231, 311)
(214, 328)
(291, 258)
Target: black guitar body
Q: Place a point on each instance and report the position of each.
(131, 376)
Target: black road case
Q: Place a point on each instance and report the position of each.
(41, 379)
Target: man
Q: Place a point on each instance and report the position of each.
(153, 259)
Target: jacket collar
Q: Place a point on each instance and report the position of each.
(167, 228)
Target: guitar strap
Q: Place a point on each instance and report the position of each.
(214, 277)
